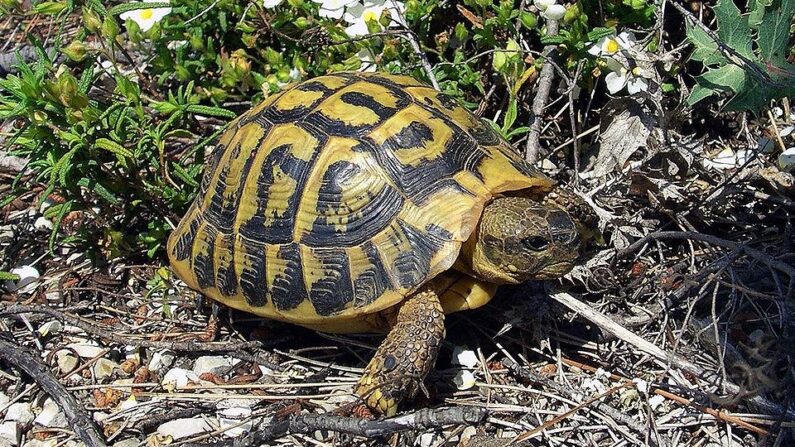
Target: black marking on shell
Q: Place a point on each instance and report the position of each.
(204, 263)
(382, 206)
(183, 244)
(288, 289)
(431, 175)
(277, 115)
(334, 291)
(252, 277)
(413, 135)
(412, 266)
(439, 232)
(220, 212)
(226, 278)
(280, 229)
(373, 282)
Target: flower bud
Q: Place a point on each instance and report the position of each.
(75, 51)
(91, 21)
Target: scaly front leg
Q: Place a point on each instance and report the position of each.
(407, 354)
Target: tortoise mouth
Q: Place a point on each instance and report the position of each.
(553, 270)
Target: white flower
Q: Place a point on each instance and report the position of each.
(271, 3)
(635, 80)
(464, 379)
(295, 74)
(554, 12)
(370, 11)
(608, 46)
(333, 9)
(542, 5)
(368, 60)
(147, 17)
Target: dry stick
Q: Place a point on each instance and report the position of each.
(420, 420)
(607, 324)
(426, 65)
(609, 411)
(540, 101)
(79, 420)
(188, 346)
(692, 235)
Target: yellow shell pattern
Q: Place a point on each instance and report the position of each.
(339, 196)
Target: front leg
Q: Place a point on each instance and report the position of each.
(406, 355)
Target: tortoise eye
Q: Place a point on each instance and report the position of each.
(535, 243)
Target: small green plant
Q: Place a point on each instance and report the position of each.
(748, 61)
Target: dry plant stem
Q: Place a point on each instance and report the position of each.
(94, 329)
(691, 235)
(607, 324)
(79, 420)
(542, 95)
(609, 411)
(426, 65)
(420, 420)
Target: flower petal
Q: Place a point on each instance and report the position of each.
(554, 12)
(615, 81)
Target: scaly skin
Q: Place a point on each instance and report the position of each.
(406, 355)
(518, 239)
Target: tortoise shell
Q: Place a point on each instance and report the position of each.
(339, 196)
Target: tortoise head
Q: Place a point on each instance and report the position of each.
(520, 238)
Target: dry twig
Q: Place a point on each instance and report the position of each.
(542, 95)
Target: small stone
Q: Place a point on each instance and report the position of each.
(50, 327)
(426, 439)
(86, 350)
(467, 434)
(9, 431)
(464, 357)
(161, 360)
(4, 399)
(21, 413)
(50, 442)
(66, 361)
(183, 428)
(229, 418)
(464, 379)
(27, 282)
(103, 368)
(129, 442)
(178, 378)
(51, 416)
(212, 364)
(42, 224)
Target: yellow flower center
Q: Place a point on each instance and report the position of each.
(636, 71)
(612, 46)
(147, 14)
(369, 16)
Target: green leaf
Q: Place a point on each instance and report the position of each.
(756, 10)
(599, 32)
(210, 111)
(60, 210)
(729, 77)
(773, 36)
(8, 276)
(699, 93)
(510, 115)
(125, 7)
(706, 49)
(733, 27)
(112, 146)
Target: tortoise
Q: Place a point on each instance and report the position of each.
(358, 202)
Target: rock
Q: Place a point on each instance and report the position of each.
(27, 282)
(9, 432)
(467, 434)
(50, 327)
(66, 361)
(426, 439)
(178, 378)
(161, 360)
(50, 442)
(103, 368)
(4, 399)
(42, 224)
(464, 357)
(464, 379)
(230, 417)
(129, 442)
(21, 413)
(213, 364)
(183, 428)
(51, 416)
(86, 350)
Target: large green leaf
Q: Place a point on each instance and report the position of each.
(734, 30)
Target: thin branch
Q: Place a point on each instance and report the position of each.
(424, 419)
(79, 419)
(542, 95)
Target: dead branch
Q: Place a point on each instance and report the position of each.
(236, 347)
(742, 248)
(607, 324)
(79, 420)
(420, 420)
(542, 95)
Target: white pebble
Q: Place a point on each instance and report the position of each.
(51, 416)
(183, 428)
(464, 379)
(21, 413)
(27, 282)
(464, 357)
(178, 378)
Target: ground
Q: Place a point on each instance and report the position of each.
(676, 329)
